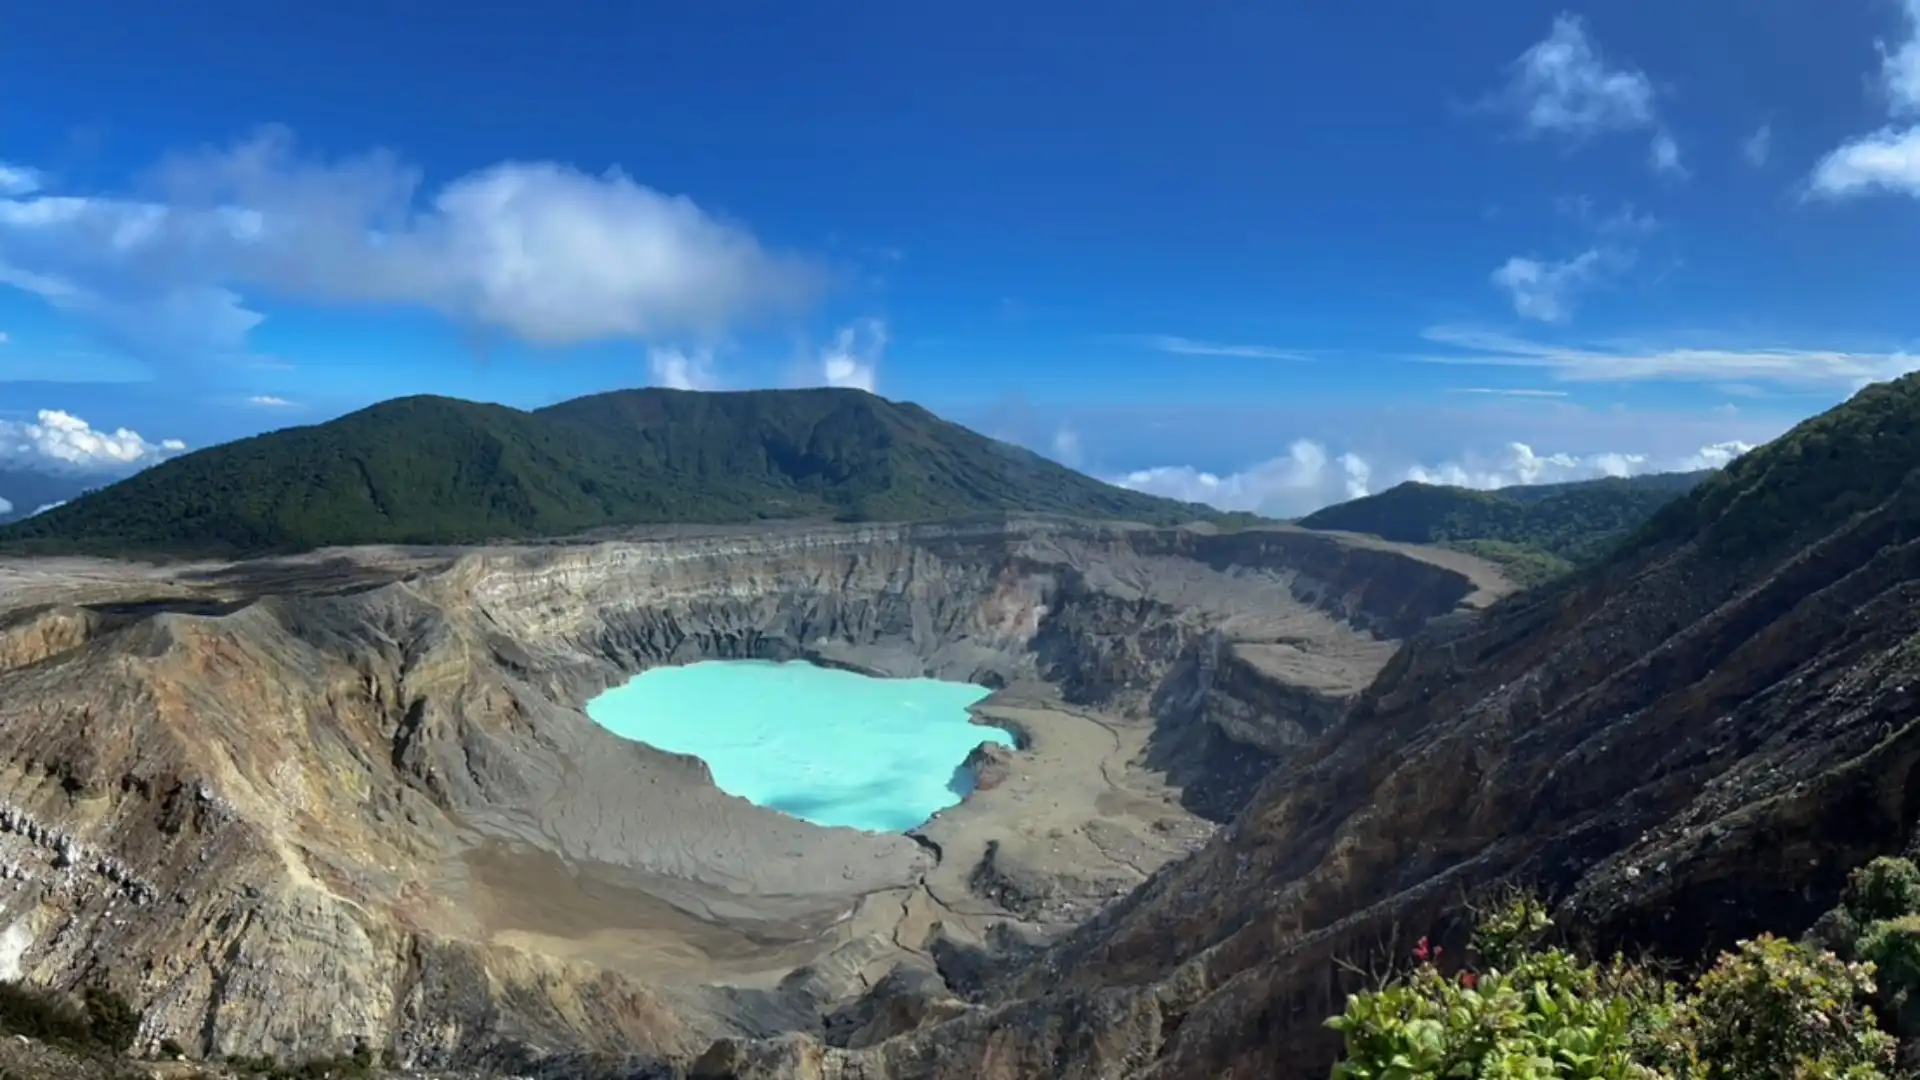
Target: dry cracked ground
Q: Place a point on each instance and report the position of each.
(291, 806)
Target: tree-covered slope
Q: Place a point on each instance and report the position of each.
(1537, 532)
(1846, 461)
(440, 470)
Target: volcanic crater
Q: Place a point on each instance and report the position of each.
(290, 806)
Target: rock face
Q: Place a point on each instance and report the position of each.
(988, 764)
(291, 806)
(1693, 744)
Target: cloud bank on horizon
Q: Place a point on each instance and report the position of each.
(58, 442)
(1308, 477)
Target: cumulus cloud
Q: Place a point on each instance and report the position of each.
(43, 509)
(853, 360)
(1563, 85)
(5, 508)
(1887, 160)
(61, 442)
(535, 250)
(1300, 482)
(1310, 477)
(268, 401)
(1630, 362)
(1757, 147)
(677, 369)
(18, 179)
(1544, 290)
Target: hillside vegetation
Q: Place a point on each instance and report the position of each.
(435, 470)
(1536, 532)
(1845, 462)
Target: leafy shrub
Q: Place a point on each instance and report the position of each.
(1768, 1009)
(1892, 946)
(101, 1020)
(40, 1014)
(111, 1022)
(1771, 1008)
(357, 1066)
(1886, 888)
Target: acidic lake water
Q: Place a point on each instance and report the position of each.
(828, 746)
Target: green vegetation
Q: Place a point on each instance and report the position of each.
(1535, 532)
(1519, 1009)
(1847, 460)
(359, 1065)
(1829, 1007)
(432, 470)
(101, 1021)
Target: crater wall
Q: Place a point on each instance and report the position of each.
(292, 806)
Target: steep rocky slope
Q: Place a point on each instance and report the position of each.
(1694, 742)
(292, 806)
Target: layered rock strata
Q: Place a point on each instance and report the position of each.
(294, 806)
(1693, 744)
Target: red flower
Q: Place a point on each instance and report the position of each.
(1424, 952)
(1469, 980)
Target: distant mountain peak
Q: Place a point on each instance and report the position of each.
(432, 469)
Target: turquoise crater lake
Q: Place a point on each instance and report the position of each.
(828, 746)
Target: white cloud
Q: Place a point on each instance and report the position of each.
(1180, 346)
(4, 338)
(1758, 146)
(1507, 392)
(1664, 155)
(1635, 363)
(676, 369)
(5, 507)
(1309, 477)
(1545, 290)
(535, 250)
(1887, 160)
(43, 509)
(18, 180)
(1562, 85)
(1066, 447)
(1900, 67)
(1302, 481)
(853, 360)
(268, 401)
(63, 442)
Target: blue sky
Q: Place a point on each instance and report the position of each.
(1266, 254)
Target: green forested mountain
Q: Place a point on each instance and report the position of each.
(1535, 531)
(1846, 461)
(440, 470)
